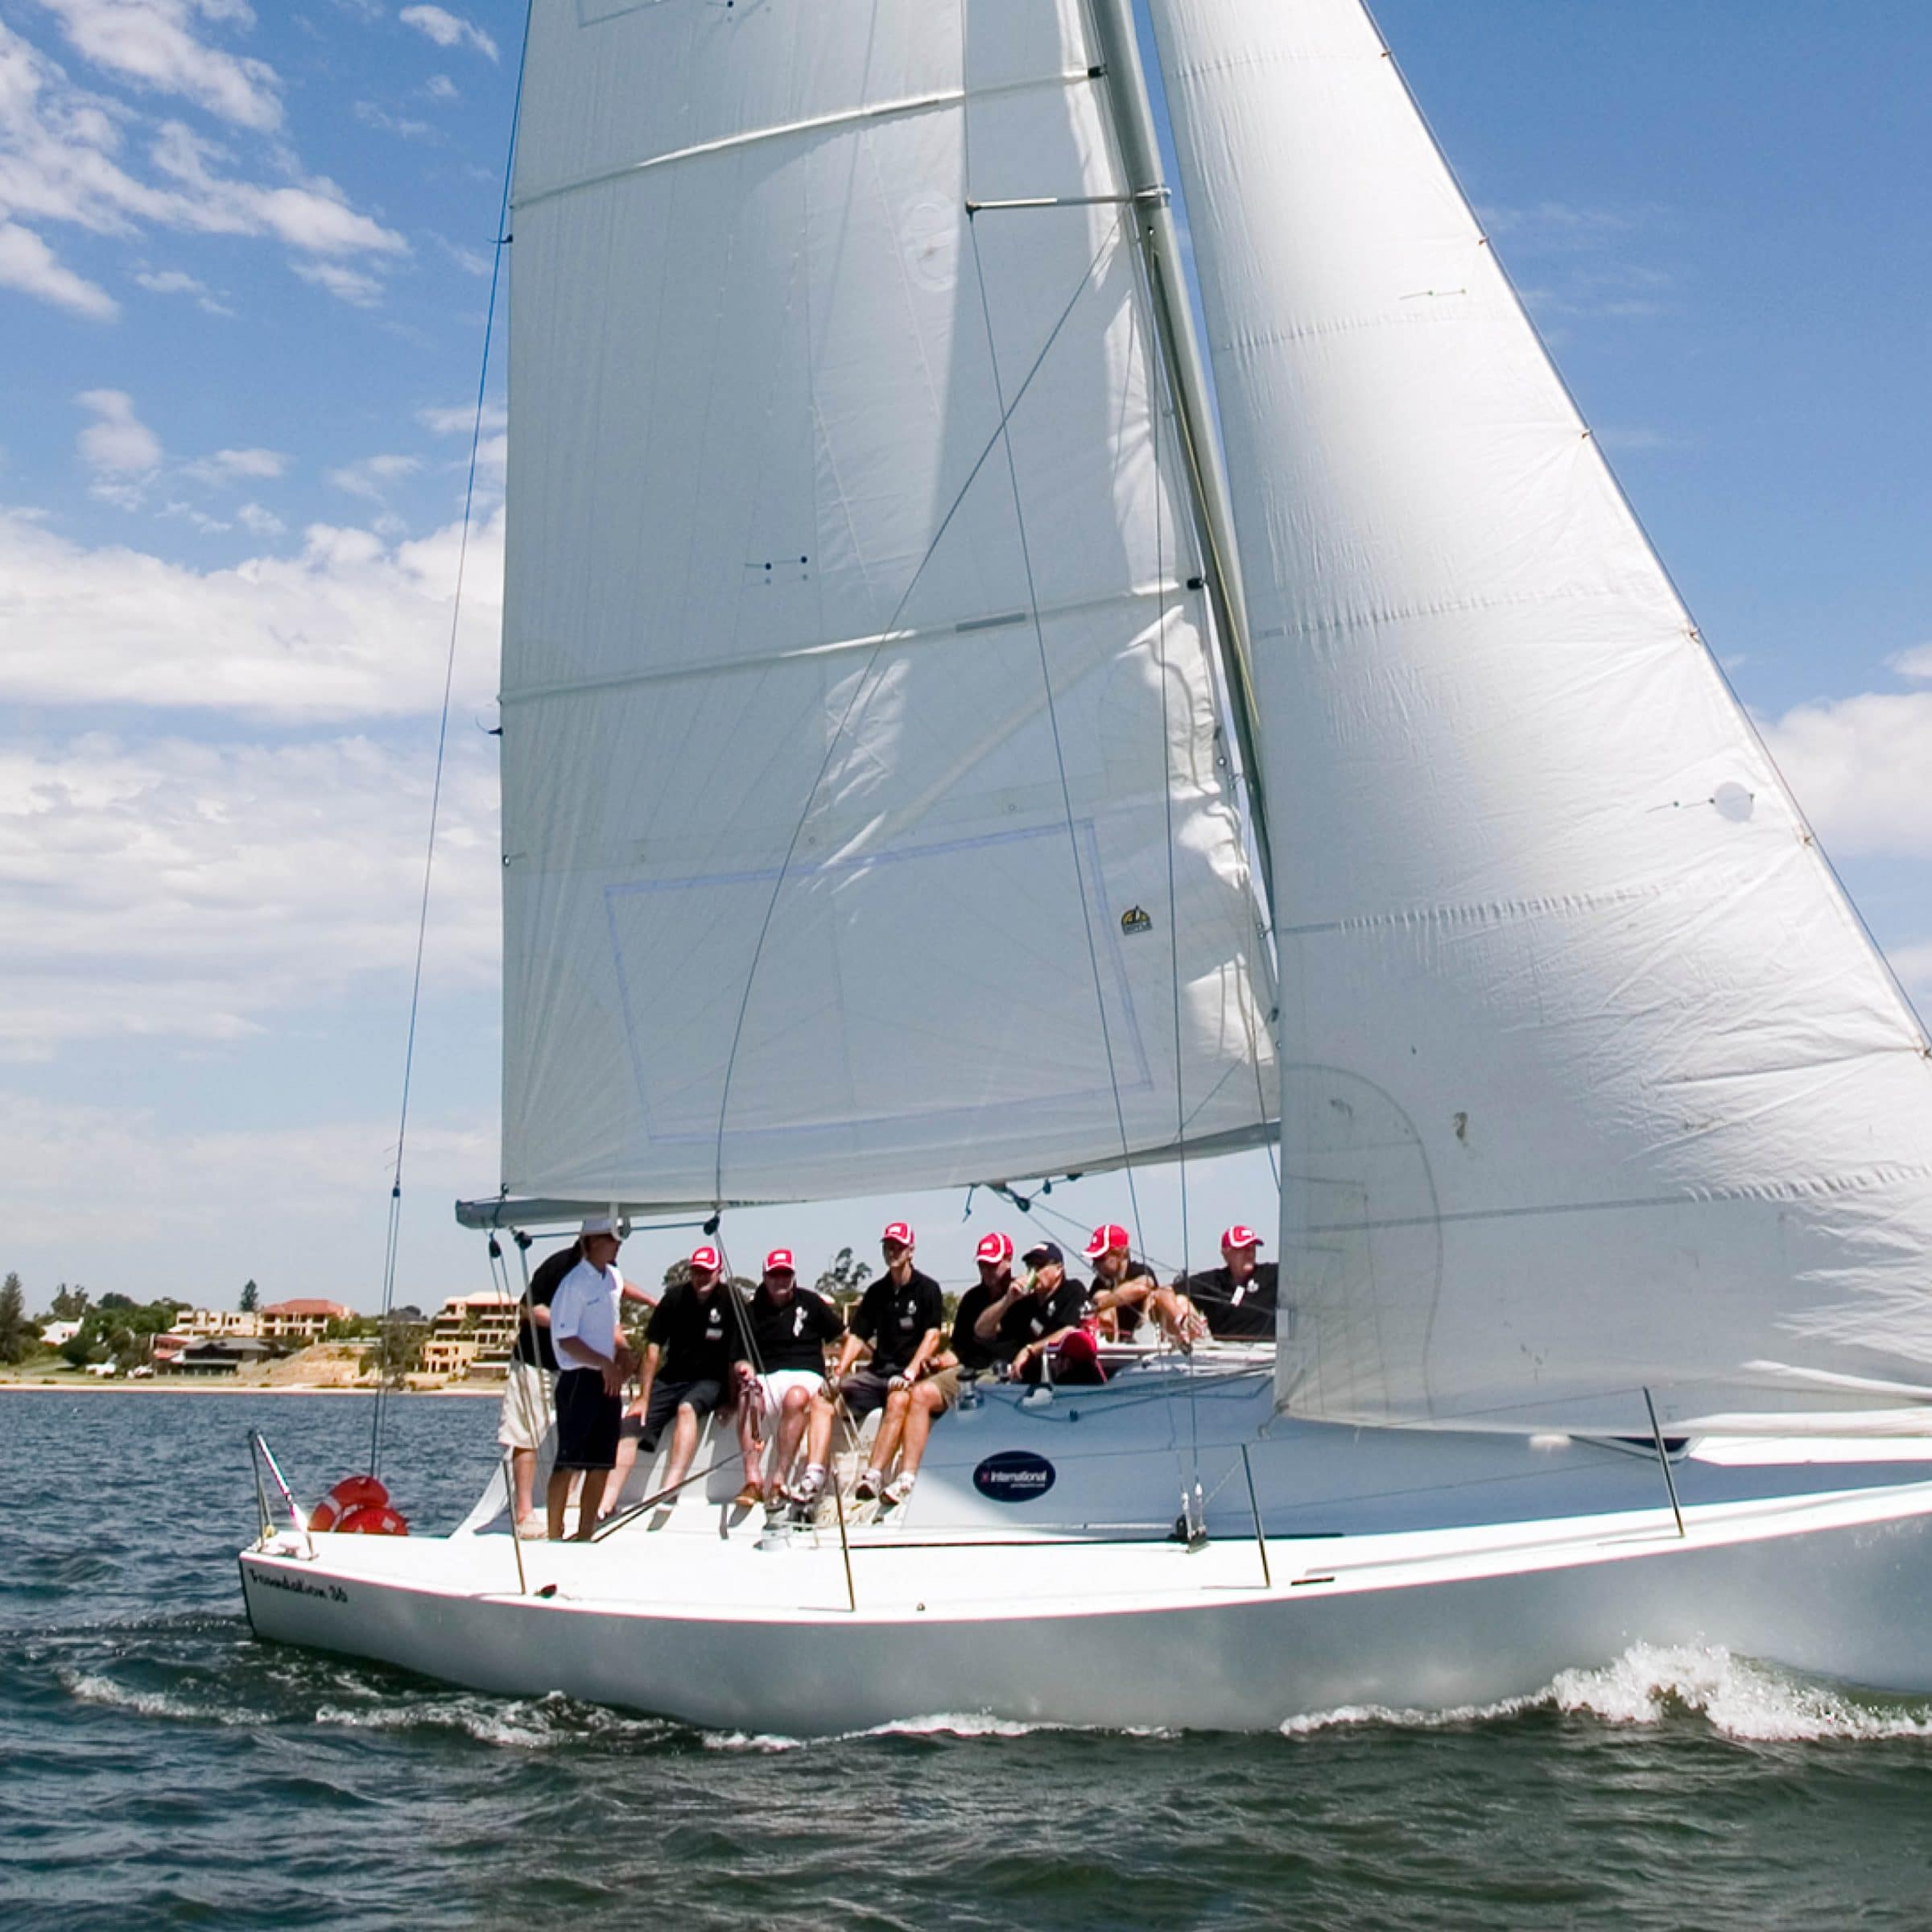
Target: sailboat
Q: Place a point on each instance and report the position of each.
(990, 692)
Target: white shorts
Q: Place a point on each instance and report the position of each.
(777, 1384)
(529, 1407)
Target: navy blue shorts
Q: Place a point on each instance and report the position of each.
(587, 1420)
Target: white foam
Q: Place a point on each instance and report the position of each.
(957, 1724)
(92, 1689)
(1650, 1683)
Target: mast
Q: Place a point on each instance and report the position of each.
(1158, 241)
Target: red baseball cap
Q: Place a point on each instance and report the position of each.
(995, 1248)
(706, 1257)
(779, 1261)
(1240, 1236)
(1105, 1239)
(900, 1232)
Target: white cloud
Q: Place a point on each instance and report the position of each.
(28, 264)
(153, 44)
(198, 1212)
(447, 29)
(260, 522)
(370, 115)
(178, 281)
(248, 462)
(459, 419)
(1913, 966)
(1917, 662)
(367, 477)
(471, 261)
(349, 627)
(63, 158)
(1862, 769)
(439, 87)
(177, 889)
(117, 443)
(349, 285)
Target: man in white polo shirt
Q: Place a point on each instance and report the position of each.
(594, 1361)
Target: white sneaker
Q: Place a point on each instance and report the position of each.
(898, 1489)
(868, 1485)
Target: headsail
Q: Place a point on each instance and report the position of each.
(855, 695)
(1592, 1081)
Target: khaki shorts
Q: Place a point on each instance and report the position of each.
(529, 1404)
(947, 1382)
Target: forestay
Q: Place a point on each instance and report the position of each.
(797, 643)
(1593, 1081)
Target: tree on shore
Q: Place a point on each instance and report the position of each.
(68, 1304)
(251, 1297)
(845, 1281)
(17, 1339)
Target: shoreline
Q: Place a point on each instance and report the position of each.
(102, 1385)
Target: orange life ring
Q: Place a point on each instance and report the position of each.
(353, 1493)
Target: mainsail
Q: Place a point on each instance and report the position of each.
(1593, 1082)
(867, 819)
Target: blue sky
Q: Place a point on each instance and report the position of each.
(244, 259)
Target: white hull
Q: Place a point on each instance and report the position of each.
(1059, 1623)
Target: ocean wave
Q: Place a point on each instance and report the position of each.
(948, 1724)
(1650, 1684)
(91, 1687)
(545, 1724)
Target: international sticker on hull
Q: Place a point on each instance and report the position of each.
(1014, 1476)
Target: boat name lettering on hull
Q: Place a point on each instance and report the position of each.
(267, 1579)
(1014, 1476)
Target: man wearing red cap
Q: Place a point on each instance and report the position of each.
(899, 1315)
(1238, 1298)
(911, 1412)
(1125, 1289)
(789, 1327)
(695, 1340)
(1041, 1321)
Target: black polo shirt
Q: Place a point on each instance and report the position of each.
(794, 1335)
(1034, 1315)
(893, 1318)
(533, 1342)
(1242, 1313)
(1126, 1317)
(973, 1352)
(701, 1335)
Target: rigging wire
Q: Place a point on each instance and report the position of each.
(1053, 715)
(394, 1235)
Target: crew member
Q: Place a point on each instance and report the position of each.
(594, 1360)
(1042, 1320)
(1238, 1298)
(694, 1338)
(789, 1328)
(899, 1315)
(524, 1420)
(1125, 1289)
(929, 1399)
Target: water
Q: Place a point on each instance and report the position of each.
(161, 1768)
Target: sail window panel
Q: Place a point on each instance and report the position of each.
(923, 1011)
(1638, 1103)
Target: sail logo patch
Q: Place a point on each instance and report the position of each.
(1135, 919)
(1014, 1476)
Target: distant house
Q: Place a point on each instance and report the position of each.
(218, 1321)
(473, 1331)
(57, 1334)
(216, 1355)
(302, 1320)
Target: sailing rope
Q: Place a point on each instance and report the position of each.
(1053, 715)
(392, 1238)
(861, 692)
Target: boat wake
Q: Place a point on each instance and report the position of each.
(1651, 1685)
